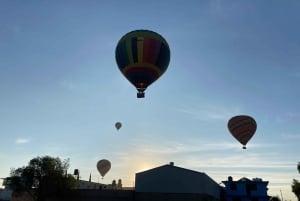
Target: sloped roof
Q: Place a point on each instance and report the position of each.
(170, 166)
(173, 179)
(244, 179)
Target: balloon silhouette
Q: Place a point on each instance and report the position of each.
(118, 125)
(142, 56)
(242, 128)
(103, 167)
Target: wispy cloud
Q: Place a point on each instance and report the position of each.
(22, 141)
(297, 74)
(209, 111)
(293, 115)
(67, 84)
(290, 136)
(224, 8)
(294, 74)
(222, 154)
(193, 145)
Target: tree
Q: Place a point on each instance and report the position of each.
(42, 177)
(296, 184)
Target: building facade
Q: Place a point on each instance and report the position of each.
(82, 184)
(168, 182)
(246, 190)
(6, 192)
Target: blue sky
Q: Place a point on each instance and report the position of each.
(62, 92)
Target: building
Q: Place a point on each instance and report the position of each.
(169, 182)
(5, 193)
(165, 183)
(246, 190)
(82, 184)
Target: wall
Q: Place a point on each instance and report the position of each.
(21, 197)
(121, 195)
(5, 194)
(169, 179)
(97, 195)
(172, 197)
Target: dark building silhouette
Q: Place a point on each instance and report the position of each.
(166, 183)
(246, 190)
(169, 182)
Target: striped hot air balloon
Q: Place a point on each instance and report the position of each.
(142, 57)
(103, 167)
(242, 128)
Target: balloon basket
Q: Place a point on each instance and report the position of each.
(140, 94)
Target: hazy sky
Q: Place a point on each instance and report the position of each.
(62, 92)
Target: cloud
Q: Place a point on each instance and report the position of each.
(167, 149)
(290, 136)
(165, 146)
(294, 74)
(293, 115)
(209, 112)
(68, 85)
(22, 141)
(195, 153)
(224, 8)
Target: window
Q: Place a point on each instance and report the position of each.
(232, 186)
(250, 187)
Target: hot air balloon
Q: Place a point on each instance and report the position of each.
(118, 125)
(142, 56)
(103, 167)
(242, 128)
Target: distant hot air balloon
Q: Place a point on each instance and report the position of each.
(118, 125)
(103, 167)
(142, 57)
(242, 128)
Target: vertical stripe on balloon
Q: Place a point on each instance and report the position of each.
(140, 44)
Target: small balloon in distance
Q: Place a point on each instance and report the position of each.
(118, 125)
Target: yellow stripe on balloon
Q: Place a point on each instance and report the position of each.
(146, 34)
(141, 65)
(140, 48)
(129, 52)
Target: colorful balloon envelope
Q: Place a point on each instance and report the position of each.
(118, 125)
(103, 167)
(242, 128)
(142, 57)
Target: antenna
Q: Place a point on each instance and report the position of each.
(281, 195)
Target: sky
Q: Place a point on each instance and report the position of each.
(61, 91)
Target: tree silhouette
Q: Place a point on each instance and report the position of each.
(296, 184)
(42, 177)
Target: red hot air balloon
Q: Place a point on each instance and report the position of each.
(142, 57)
(242, 128)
